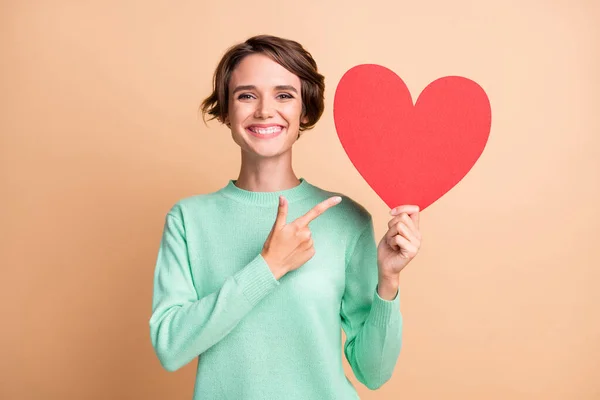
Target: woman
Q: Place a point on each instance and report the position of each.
(257, 278)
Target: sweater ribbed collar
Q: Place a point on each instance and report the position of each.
(269, 199)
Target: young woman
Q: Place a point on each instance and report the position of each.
(257, 279)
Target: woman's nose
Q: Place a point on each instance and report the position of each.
(263, 109)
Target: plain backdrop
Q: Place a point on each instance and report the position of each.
(100, 136)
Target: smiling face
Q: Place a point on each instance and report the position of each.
(265, 106)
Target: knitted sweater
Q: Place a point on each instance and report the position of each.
(259, 338)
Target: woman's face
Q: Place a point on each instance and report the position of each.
(265, 106)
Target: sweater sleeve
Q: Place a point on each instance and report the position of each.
(182, 325)
(373, 326)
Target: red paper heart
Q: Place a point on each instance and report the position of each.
(410, 154)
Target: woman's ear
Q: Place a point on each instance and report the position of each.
(303, 117)
(226, 122)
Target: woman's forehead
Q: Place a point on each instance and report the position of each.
(262, 72)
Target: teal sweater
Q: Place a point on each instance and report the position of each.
(259, 338)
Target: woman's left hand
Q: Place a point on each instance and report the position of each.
(401, 242)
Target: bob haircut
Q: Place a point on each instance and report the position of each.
(287, 53)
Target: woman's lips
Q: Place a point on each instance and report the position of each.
(265, 132)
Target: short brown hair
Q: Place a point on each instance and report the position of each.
(287, 53)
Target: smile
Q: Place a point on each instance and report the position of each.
(267, 132)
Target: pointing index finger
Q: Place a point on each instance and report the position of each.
(318, 210)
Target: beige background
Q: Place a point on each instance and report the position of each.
(100, 137)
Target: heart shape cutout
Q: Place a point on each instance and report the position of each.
(410, 154)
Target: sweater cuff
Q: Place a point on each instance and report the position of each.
(384, 312)
(256, 280)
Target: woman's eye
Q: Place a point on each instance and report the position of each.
(247, 96)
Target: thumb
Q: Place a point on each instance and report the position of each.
(281, 219)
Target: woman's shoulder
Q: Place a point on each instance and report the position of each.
(348, 209)
(194, 203)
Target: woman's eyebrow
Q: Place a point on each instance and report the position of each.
(287, 87)
(243, 87)
(252, 87)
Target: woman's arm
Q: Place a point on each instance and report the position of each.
(373, 326)
(183, 326)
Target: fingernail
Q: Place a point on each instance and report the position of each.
(337, 199)
(393, 211)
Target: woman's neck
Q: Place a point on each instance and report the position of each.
(267, 174)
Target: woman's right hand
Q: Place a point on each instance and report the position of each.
(289, 246)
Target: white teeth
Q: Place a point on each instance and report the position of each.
(265, 131)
